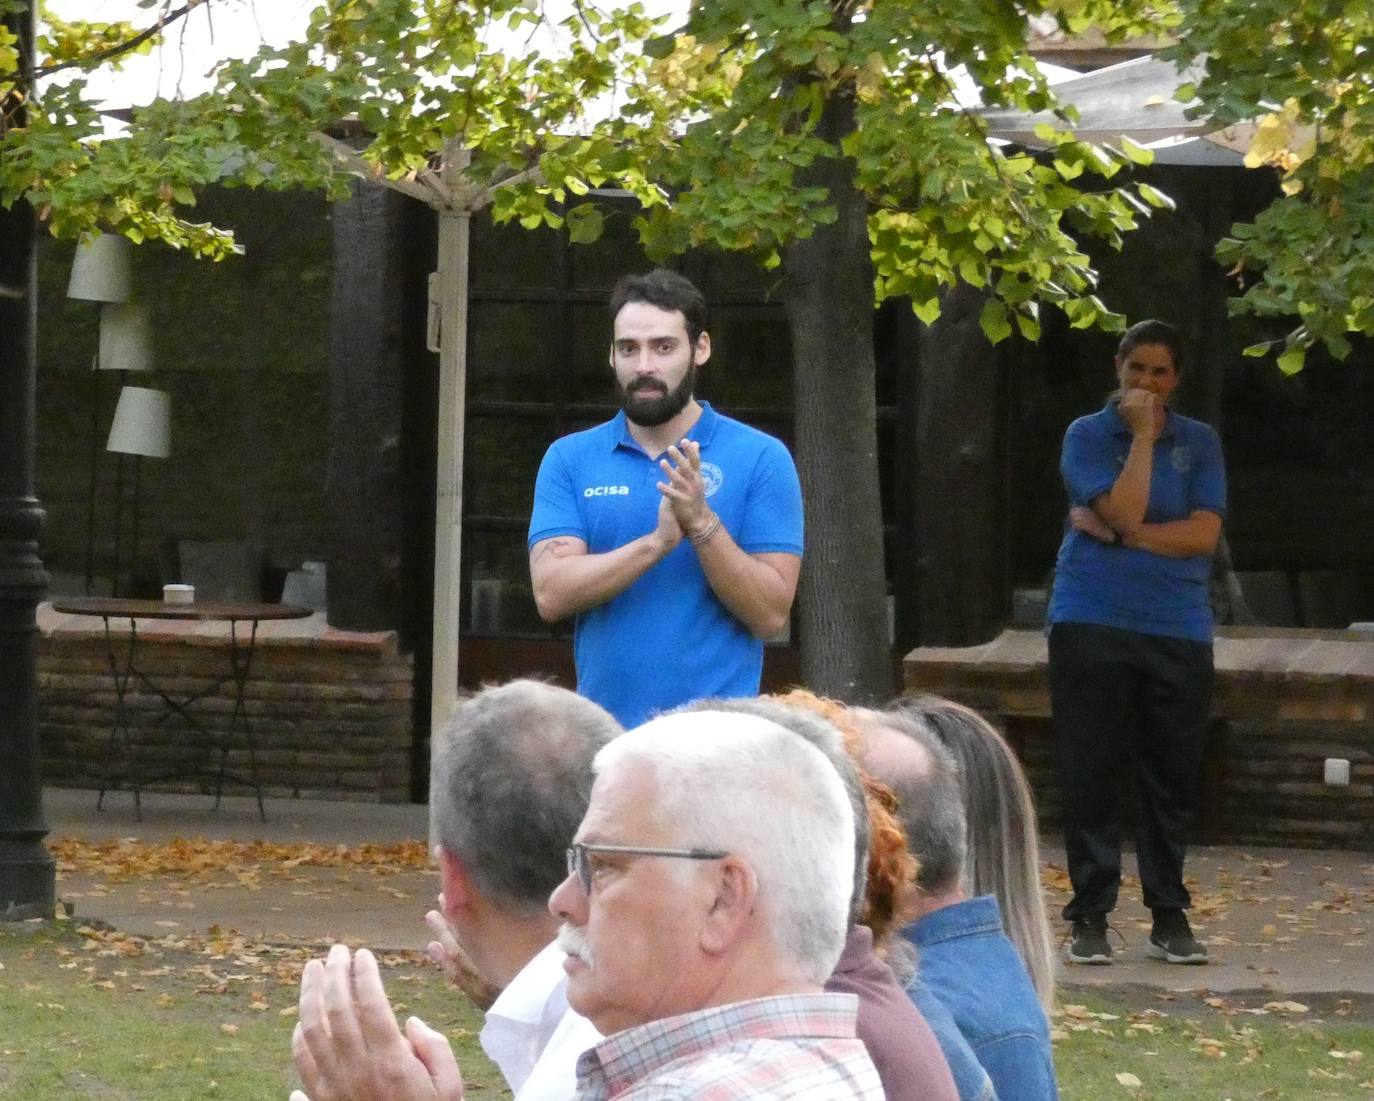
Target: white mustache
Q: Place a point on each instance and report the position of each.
(573, 942)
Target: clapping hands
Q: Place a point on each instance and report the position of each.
(348, 1047)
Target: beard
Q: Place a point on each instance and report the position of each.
(649, 404)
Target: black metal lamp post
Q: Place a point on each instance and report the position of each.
(27, 873)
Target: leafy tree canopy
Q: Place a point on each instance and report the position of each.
(417, 76)
(714, 129)
(1304, 72)
(946, 205)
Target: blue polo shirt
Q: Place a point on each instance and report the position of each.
(666, 639)
(1127, 587)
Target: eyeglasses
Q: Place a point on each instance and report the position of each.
(578, 851)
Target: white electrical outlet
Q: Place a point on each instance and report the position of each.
(1336, 772)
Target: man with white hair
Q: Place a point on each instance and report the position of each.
(706, 905)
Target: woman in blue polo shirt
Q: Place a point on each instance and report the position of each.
(1130, 641)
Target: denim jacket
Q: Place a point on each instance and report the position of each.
(971, 1078)
(968, 964)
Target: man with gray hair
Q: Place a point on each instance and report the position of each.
(509, 782)
(706, 905)
(968, 968)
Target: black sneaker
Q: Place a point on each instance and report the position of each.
(1088, 941)
(1172, 940)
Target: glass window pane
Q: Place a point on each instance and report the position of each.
(737, 274)
(617, 252)
(501, 459)
(590, 344)
(892, 349)
(499, 600)
(751, 358)
(516, 353)
(511, 258)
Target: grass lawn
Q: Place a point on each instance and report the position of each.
(1132, 1043)
(92, 1014)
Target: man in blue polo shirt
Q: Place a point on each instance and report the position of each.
(672, 533)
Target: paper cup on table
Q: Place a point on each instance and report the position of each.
(178, 594)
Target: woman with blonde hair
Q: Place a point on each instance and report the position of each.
(1002, 840)
(970, 823)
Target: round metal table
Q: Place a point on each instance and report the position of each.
(124, 670)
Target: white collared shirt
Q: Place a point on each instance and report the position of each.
(532, 1035)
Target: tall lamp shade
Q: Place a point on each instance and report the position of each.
(125, 338)
(142, 423)
(100, 269)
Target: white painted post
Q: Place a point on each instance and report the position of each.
(454, 223)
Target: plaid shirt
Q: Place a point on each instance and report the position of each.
(793, 1046)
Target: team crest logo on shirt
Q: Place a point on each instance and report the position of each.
(1181, 459)
(711, 477)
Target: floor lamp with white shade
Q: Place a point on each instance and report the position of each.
(100, 269)
(142, 427)
(101, 272)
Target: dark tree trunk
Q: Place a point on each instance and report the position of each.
(366, 368)
(960, 501)
(27, 876)
(829, 297)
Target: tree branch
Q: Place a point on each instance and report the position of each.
(122, 47)
(582, 15)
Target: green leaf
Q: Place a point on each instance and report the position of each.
(1257, 350)
(927, 311)
(1293, 359)
(993, 321)
(1135, 152)
(585, 223)
(659, 46)
(1155, 197)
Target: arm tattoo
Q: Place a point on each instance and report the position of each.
(554, 547)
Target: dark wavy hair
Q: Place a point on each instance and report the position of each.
(1152, 332)
(668, 291)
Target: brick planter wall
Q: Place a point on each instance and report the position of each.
(1286, 699)
(330, 709)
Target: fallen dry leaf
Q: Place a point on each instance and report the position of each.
(202, 858)
(1285, 1007)
(1129, 1080)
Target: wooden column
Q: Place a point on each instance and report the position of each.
(962, 475)
(364, 481)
